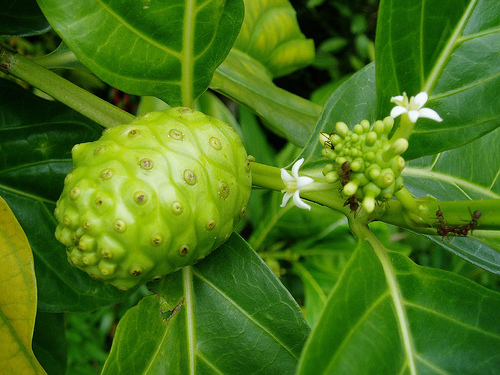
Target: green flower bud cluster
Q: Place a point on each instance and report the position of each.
(152, 196)
(365, 161)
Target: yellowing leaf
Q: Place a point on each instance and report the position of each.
(17, 298)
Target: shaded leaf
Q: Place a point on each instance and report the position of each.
(227, 313)
(35, 156)
(150, 47)
(403, 319)
(449, 49)
(49, 342)
(18, 298)
(22, 18)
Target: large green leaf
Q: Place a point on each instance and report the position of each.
(470, 172)
(225, 315)
(150, 47)
(448, 48)
(18, 298)
(387, 315)
(35, 156)
(22, 18)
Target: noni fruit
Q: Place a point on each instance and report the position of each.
(152, 196)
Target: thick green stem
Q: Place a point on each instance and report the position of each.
(455, 213)
(265, 176)
(62, 90)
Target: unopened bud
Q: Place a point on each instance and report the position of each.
(400, 146)
(335, 139)
(371, 138)
(358, 129)
(388, 124)
(379, 127)
(351, 187)
(357, 165)
(328, 168)
(342, 129)
(332, 177)
(365, 124)
(368, 204)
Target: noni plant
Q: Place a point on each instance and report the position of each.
(250, 186)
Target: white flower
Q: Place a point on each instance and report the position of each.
(413, 107)
(293, 184)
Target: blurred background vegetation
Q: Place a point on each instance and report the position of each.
(344, 34)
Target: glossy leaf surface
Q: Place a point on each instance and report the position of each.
(18, 298)
(35, 156)
(450, 50)
(22, 18)
(227, 313)
(403, 319)
(150, 47)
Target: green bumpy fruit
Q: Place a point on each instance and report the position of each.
(152, 196)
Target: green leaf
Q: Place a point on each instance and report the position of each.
(227, 313)
(470, 172)
(449, 49)
(269, 45)
(18, 297)
(35, 155)
(49, 342)
(353, 101)
(22, 18)
(150, 47)
(387, 315)
(271, 35)
(245, 80)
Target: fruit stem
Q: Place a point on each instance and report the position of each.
(73, 96)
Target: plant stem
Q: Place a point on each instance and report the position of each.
(62, 90)
(265, 176)
(404, 129)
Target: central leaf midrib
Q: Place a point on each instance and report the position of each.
(187, 53)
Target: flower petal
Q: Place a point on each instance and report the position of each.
(397, 99)
(295, 168)
(430, 114)
(398, 110)
(304, 181)
(299, 202)
(286, 198)
(286, 176)
(421, 99)
(413, 116)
